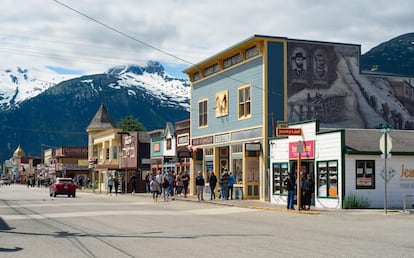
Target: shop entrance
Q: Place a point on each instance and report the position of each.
(306, 168)
(252, 165)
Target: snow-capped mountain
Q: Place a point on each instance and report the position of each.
(38, 111)
(20, 84)
(153, 79)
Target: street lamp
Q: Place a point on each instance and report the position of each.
(385, 145)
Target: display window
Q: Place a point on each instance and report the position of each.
(365, 174)
(327, 178)
(237, 171)
(280, 173)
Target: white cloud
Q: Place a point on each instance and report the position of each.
(44, 32)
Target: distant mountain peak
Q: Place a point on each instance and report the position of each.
(393, 57)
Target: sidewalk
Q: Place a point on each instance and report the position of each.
(250, 204)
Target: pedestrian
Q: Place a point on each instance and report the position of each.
(171, 179)
(179, 184)
(155, 188)
(148, 179)
(159, 179)
(200, 186)
(186, 179)
(116, 184)
(308, 189)
(231, 183)
(212, 182)
(110, 184)
(224, 181)
(80, 182)
(133, 182)
(290, 184)
(165, 187)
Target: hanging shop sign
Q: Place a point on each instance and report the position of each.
(308, 151)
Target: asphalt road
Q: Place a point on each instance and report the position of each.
(32, 224)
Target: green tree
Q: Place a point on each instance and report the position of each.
(130, 124)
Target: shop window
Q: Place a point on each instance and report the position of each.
(202, 113)
(365, 174)
(238, 171)
(327, 178)
(244, 102)
(280, 173)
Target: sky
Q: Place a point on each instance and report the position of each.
(91, 36)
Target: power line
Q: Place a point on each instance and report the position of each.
(123, 33)
(142, 42)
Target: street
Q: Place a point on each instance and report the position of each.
(32, 224)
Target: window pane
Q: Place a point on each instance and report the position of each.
(322, 179)
(333, 179)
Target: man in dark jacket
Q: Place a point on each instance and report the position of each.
(224, 182)
(290, 183)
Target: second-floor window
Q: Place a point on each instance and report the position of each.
(245, 101)
(168, 144)
(202, 113)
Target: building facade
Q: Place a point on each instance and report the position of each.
(347, 166)
(240, 96)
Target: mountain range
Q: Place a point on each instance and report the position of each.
(39, 107)
(57, 115)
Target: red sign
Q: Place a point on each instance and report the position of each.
(289, 131)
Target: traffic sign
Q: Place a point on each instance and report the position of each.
(382, 143)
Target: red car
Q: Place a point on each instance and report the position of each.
(63, 186)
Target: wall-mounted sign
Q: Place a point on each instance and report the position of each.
(289, 131)
(222, 138)
(183, 139)
(307, 153)
(252, 146)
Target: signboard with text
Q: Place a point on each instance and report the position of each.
(308, 150)
(288, 131)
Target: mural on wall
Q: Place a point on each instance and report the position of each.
(222, 104)
(324, 82)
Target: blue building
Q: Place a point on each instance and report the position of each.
(240, 96)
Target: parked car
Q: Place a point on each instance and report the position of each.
(5, 181)
(63, 186)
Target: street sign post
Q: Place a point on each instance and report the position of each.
(385, 145)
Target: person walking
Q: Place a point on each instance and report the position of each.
(110, 184)
(186, 180)
(212, 182)
(171, 179)
(200, 186)
(179, 184)
(133, 182)
(290, 183)
(231, 183)
(155, 189)
(116, 185)
(159, 179)
(165, 187)
(148, 178)
(224, 181)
